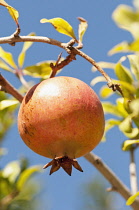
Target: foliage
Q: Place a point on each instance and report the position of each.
(17, 188)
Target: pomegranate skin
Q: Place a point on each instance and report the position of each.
(61, 116)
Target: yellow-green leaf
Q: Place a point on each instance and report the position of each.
(128, 143)
(98, 79)
(61, 25)
(6, 103)
(26, 46)
(40, 70)
(134, 63)
(131, 199)
(4, 66)
(127, 18)
(11, 171)
(13, 12)
(104, 65)
(7, 57)
(82, 28)
(26, 174)
(105, 92)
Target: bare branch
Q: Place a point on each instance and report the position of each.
(133, 173)
(7, 87)
(116, 183)
(66, 46)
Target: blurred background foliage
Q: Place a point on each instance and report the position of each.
(18, 189)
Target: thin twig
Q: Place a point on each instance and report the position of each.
(7, 87)
(61, 64)
(133, 173)
(67, 46)
(111, 177)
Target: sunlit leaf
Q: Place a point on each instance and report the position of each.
(6, 103)
(13, 12)
(127, 128)
(134, 106)
(40, 70)
(104, 65)
(7, 57)
(136, 4)
(128, 143)
(4, 66)
(26, 46)
(110, 123)
(131, 199)
(128, 19)
(123, 73)
(110, 108)
(105, 92)
(98, 79)
(26, 175)
(121, 107)
(11, 171)
(61, 25)
(134, 64)
(82, 28)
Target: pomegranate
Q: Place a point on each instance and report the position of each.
(61, 118)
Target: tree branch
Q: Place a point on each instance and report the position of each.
(66, 46)
(133, 174)
(116, 183)
(7, 87)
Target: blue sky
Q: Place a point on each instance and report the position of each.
(61, 191)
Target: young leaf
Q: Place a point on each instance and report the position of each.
(13, 12)
(126, 145)
(4, 66)
(98, 79)
(61, 25)
(131, 199)
(26, 174)
(40, 70)
(82, 28)
(6, 103)
(105, 92)
(110, 108)
(134, 63)
(8, 58)
(11, 171)
(126, 18)
(123, 73)
(22, 55)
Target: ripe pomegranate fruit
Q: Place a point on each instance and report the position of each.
(61, 118)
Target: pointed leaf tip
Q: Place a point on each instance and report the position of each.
(61, 25)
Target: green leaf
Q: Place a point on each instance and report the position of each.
(134, 106)
(61, 25)
(127, 128)
(13, 12)
(110, 123)
(82, 28)
(12, 171)
(121, 107)
(128, 143)
(127, 18)
(123, 73)
(134, 64)
(105, 92)
(26, 46)
(8, 58)
(110, 108)
(26, 175)
(6, 103)
(40, 70)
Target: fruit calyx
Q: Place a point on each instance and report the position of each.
(65, 162)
